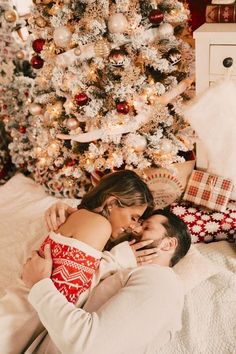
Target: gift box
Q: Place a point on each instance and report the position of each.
(208, 190)
(207, 226)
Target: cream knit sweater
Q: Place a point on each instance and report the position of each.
(134, 311)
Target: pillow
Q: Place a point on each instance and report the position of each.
(194, 268)
(205, 225)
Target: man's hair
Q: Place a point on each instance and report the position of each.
(175, 227)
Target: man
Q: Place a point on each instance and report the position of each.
(134, 311)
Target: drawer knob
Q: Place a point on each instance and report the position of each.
(228, 62)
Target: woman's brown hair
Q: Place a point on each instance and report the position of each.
(125, 185)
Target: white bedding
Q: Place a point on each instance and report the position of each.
(209, 319)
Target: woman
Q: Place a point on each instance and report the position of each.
(109, 210)
(114, 206)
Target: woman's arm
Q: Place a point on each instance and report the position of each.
(125, 255)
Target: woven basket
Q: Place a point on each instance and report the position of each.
(168, 186)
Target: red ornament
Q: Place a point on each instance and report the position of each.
(22, 130)
(4, 106)
(81, 99)
(38, 45)
(117, 57)
(122, 107)
(71, 163)
(37, 62)
(156, 17)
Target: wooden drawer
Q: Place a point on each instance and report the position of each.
(218, 59)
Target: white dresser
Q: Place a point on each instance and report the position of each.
(215, 45)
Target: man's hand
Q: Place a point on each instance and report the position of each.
(37, 268)
(57, 214)
(143, 256)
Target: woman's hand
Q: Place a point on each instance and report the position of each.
(37, 268)
(57, 215)
(143, 256)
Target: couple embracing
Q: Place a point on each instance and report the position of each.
(102, 281)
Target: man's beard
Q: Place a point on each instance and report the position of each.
(123, 237)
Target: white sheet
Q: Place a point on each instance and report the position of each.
(22, 227)
(209, 319)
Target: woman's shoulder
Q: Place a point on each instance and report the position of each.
(92, 218)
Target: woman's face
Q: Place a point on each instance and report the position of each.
(123, 219)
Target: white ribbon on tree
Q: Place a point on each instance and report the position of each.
(87, 51)
(141, 118)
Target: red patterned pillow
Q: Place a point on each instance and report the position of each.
(205, 225)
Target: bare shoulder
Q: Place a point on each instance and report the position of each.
(89, 227)
(88, 219)
(90, 215)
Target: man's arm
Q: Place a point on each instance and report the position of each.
(57, 214)
(149, 302)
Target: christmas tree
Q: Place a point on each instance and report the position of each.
(110, 85)
(15, 70)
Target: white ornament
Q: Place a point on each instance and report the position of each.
(166, 146)
(117, 23)
(165, 30)
(35, 109)
(53, 148)
(139, 143)
(62, 36)
(72, 123)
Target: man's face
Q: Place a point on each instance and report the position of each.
(153, 229)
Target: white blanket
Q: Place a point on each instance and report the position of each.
(209, 319)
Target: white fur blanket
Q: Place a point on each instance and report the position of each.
(209, 319)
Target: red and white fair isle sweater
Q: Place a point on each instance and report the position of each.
(74, 264)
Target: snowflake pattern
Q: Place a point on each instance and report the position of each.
(205, 225)
(211, 227)
(189, 218)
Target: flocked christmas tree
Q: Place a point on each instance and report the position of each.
(15, 71)
(109, 90)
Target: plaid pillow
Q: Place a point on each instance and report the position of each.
(207, 225)
(208, 190)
